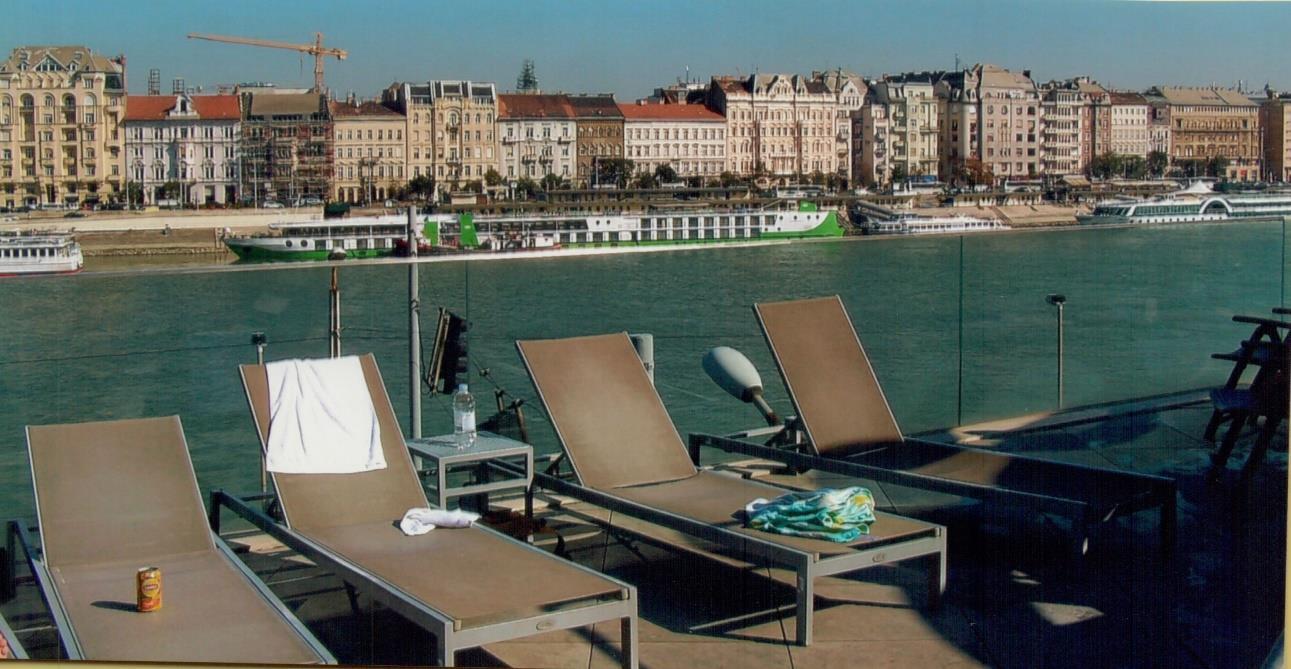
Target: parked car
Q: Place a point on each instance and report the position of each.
(309, 201)
(270, 204)
(74, 214)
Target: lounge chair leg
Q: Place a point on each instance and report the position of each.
(444, 654)
(628, 640)
(1219, 458)
(937, 576)
(353, 595)
(1260, 448)
(806, 604)
(1169, 524)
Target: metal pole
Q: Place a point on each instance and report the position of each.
(259, 340)
(414, 332)
(335, 310)
(1060, 301)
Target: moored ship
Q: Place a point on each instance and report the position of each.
(365, 238)
(35, 253)
(929, 225)
(1175, 209)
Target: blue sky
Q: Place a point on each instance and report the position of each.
(630, 47)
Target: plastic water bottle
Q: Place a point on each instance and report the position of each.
(463, 418)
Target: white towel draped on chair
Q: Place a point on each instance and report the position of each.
(321, 419)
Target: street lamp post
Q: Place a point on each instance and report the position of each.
(1059, 300)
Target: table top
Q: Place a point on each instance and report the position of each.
(487, 445)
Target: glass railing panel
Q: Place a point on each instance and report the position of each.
(1145, 307)
(902, 295)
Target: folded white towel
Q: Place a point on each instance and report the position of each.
(423, 520)
(321, 419)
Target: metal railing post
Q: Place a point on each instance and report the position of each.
(1060, 301)
(259, 340)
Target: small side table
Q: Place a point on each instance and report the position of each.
(442, 453)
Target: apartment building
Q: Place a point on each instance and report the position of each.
(781, 126)
(991, 115)
(191, 141)
(287, 146)
(61, 143)
(370, 150)
(913, 121)
(1131, 124)
(600, 126)
(1063, 128)
(689, 137)
(413, 101)
(1212, 122)
(538, 135)
(870, 136)
(1275, 119)
(849, 90)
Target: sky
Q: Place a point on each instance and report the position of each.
(629, 48)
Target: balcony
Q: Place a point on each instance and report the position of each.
(975, 362)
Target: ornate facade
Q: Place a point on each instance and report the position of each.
(538, 136)
(1130, 132)
(778, 125)
(600, 133)
(1275, 118)
(370, 152)
(191, 141)
(994, 116)
(689, 137)
(1214, 122)
(913, 121)
(61, 142)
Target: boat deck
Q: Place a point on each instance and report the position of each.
(1017, 594)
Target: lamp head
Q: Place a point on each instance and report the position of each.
(732, 371)
(1056, 299)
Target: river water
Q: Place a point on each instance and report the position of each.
(957, 327)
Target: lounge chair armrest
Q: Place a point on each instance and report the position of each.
(1265, 322)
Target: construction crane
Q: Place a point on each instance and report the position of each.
(317, 50)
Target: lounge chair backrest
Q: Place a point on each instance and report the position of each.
(831, 382)
(606, 412)
(312, 501)
(116, 491)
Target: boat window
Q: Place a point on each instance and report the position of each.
(288, 243)
(304, 243)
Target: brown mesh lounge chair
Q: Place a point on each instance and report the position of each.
(467, 587)
(851, 431)
(627, 457)
(112, 497)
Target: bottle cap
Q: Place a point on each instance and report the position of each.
(461, 387)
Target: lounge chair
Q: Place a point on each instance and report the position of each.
(851, 431)
(113, 497)
(627, 457)
(467, 587)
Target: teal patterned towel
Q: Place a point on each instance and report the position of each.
(833, 515)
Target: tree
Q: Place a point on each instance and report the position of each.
(1156, 164)
(1106, 165)
(899, 174)
(615, 171)
(525, 188)
(492, 178)
(729, 180)
(421, 187)
(665, 174)
(527, 82)
(552, 182)
(1217, 167)
(1134, 167)
(170, 190)
(817, 178)
(978, 173)
(133, 194)
(647, 180)
(475, 186)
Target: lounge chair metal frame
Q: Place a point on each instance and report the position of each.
(17, 536)
(806, 566)
(16, 651)
(1086, 514)
(447, 631)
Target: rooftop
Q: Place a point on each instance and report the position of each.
(207, 107)
(1179, 95)
(668, 112)
(536, 106)
(368, 109)
(58, 58)
(285, 104)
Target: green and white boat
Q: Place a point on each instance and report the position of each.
(682, 227)
(381, 236)
(370, 237)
